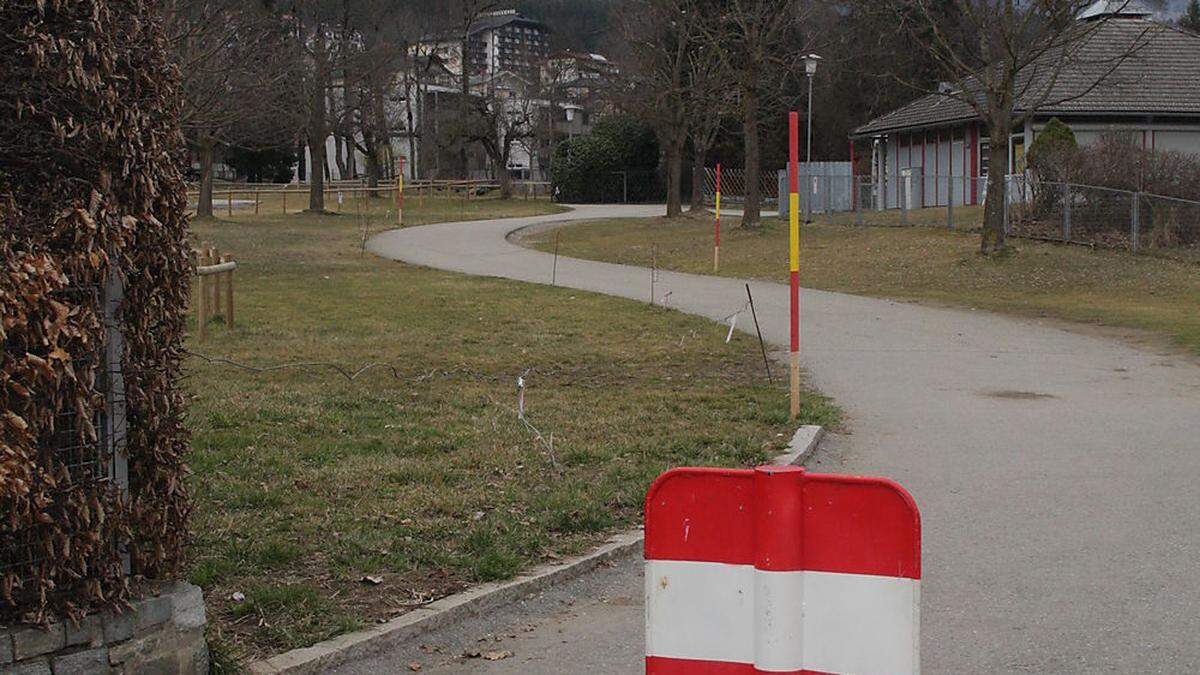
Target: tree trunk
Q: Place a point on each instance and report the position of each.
(674, 175)
(464, 112)
(699, 157)
(993, 237)
(414, 160)
(506, 189)
(374, 168)
(204, 203)
(751, 215)
(318, 128)
(301, 163)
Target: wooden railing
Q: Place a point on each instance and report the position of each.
(211, 268)
(278, 195)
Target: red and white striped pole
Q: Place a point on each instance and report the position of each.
(400, 194)
(794, 250)
(717, 226)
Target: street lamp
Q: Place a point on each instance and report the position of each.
(810, 69)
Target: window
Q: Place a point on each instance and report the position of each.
(985, 153)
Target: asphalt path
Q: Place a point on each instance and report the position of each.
(1057, 470)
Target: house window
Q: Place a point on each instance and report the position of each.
(985, 153)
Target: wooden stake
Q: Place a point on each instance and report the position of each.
(213, 256)
(201, 295)
(256, 198)
(229, 202)
(228, 297)
(285, 201)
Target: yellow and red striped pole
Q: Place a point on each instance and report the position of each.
(717, 226)
(794, 250)
(400, 194)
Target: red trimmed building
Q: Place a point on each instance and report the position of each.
(937, 147)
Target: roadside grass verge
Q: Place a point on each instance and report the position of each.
(917, 264)
(306, 483)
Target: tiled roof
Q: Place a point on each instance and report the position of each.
(1161, 77)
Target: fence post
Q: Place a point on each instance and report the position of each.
(228, 296)
(1135, 216)
(257, 196)
(214, 255)
(200, 293)
(624, 187)
(115, 412)
(285, 201)
(1066, 197)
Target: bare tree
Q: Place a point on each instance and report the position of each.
(236, 87)
(371, 47)
(708, 101)
(465, 14)
(661, 35)
(1005, 59)
(503, 117)
(759, 43)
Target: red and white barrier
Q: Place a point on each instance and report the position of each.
(776, 570)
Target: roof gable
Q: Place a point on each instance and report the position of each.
(1161, 77)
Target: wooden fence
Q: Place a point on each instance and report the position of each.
(211, 269)
(270, 196)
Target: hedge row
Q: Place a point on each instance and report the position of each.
(90, 183)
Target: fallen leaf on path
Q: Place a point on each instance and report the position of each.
(368, 579)
(496, 656)
(414, 666)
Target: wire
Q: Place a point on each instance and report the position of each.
(350, 375)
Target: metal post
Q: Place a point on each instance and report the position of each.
(808, 156)
(1135, 216)
(114, 409)
(1066, 198)
(902, 200)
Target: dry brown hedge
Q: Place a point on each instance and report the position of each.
(90, 181)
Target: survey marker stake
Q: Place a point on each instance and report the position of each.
(761, 345)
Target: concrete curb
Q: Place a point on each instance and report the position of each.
(362, 644)
(804, 443)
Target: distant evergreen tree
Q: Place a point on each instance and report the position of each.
(1191, 17)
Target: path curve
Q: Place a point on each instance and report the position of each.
(1058, 473)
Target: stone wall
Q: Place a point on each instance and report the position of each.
(162, 633)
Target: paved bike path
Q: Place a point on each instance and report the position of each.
(1058, 473)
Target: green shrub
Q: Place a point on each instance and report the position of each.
(618, 161)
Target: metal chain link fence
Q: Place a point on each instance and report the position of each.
(1090, 215)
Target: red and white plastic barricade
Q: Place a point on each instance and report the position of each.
(776, 570)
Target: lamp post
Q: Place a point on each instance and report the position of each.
(810, 69)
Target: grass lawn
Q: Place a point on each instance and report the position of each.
(305, 483)
(918, 264)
